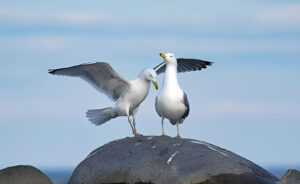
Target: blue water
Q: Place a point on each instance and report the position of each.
(59, 176)
(62, 176)
(280, 171)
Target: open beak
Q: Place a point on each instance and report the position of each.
(162, 55)
(155, 84)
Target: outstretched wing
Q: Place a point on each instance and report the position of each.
(100, 75)
(184, 65)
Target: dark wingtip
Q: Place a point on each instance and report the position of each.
(209, 63)
(51, 71)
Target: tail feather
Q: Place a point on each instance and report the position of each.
(100, 116)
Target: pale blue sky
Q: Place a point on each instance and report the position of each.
(247, 102)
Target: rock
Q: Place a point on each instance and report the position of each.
(167, 160)
(290, 177)
(23, 174)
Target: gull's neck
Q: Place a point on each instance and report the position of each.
(170, 81)
(141, 80)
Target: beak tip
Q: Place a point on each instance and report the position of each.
(155, 84)
(162, 55)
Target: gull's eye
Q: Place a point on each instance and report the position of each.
(171, 56)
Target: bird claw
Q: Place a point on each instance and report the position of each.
(137, 134)
(178, 136)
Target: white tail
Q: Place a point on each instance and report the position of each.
(100, 116)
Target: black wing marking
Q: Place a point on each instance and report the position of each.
(184, 65)
(161, 68)
(186, 103)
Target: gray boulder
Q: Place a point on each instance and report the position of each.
(167, 160)
(23, 174)
(290, 177)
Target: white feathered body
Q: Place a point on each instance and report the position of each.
(137, 92)
(171, 106)
(127, 94)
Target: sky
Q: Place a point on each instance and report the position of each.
(248, 102)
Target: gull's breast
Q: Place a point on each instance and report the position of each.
(170, 105)
(137, 93)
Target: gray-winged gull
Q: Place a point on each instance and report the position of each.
(127, 94)
(172, 102)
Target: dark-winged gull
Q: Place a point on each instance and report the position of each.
(172, 102)
(127, 94)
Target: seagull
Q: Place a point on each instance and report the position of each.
(128, 95)
(171, 102)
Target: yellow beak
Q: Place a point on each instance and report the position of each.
(162, 55)
(155, 84)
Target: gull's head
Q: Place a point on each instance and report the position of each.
(169, 58)
(150, 75)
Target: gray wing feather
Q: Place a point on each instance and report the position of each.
(186, 104)
(184, 65)
(100, 75)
